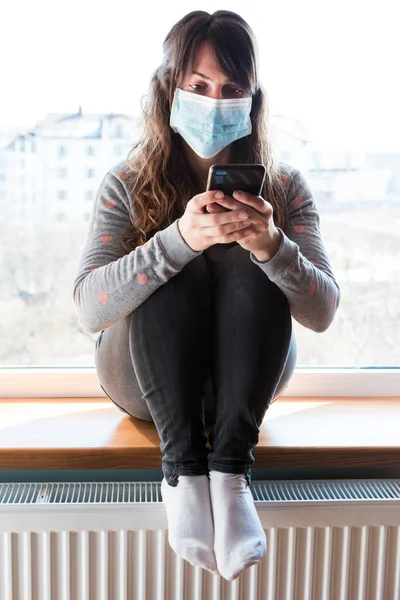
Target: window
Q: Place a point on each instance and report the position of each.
(119, 149)
(118, 131)
(339, 129)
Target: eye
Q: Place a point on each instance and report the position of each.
(198, 87)
(233, 91)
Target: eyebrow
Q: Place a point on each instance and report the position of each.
(201, 75)
(209, 78)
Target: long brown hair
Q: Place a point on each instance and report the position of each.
(161, 181)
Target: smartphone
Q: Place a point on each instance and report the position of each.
(228, 178)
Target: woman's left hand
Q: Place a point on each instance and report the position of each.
(264, 238)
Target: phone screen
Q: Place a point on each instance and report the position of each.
(228, 178)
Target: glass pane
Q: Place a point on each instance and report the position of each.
(70, 116)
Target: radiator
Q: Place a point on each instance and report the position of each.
(327, 540)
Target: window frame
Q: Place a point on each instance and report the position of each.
(82, 382)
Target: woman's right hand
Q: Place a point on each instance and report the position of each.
(201, 230)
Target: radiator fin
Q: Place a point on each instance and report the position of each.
(327, 540)
(150, 492)
(301, 564)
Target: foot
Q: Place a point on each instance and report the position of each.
(190, 522)
(239, 538)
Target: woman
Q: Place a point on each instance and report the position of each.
(193, 292)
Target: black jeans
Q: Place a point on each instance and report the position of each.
(222, 320)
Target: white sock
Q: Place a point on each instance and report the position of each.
(190, 522)
(239, 538)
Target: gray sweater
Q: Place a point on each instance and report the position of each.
(111, 283)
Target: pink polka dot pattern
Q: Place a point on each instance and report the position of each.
(312, 261)
(76, 299)
(146, 245)
(109, 204)
(122, 175)
(105, 326)
(299, 201)
(142, 278)
(299, 228)
(311, 289)
(300, 315)
(103, 297)
(106, 238)
(284, 180)
(94, 267)
(333, 303)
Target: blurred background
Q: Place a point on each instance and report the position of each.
(73, 76)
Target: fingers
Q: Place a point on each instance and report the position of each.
(201, 200)
(215, 208)
(234, 205)
(221, 224)
(224, 234)
(223, 218)
(258, 203)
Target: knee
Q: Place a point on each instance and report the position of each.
(288, 369)
(138, 412)
(143, 415)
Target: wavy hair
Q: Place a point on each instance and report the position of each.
(161, 180)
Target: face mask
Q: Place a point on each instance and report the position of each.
(209, 125)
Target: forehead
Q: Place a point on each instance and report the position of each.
(206, 63)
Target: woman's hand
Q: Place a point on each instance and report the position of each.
(200, 229)
(264, 239)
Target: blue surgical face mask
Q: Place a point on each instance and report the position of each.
(209, 125)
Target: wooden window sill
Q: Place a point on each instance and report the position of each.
(91, 433)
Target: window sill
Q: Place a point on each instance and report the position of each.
(91, 433)
(78, 382)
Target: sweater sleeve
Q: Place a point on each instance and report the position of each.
(111, 283)
(301, 267)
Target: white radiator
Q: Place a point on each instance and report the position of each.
(327, 540)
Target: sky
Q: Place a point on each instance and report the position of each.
(333, 64)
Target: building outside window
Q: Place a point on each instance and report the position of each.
(347, 147)
(118, 132)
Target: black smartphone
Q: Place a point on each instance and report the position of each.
(228, 178)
